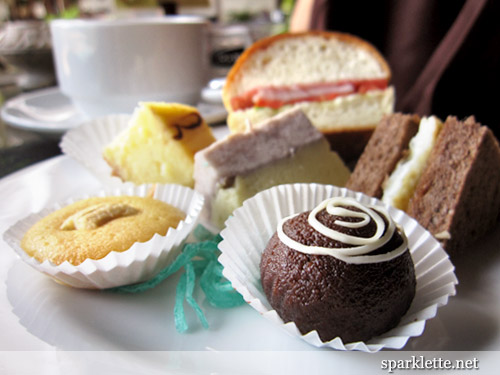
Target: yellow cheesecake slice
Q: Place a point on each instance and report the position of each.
(159, 145)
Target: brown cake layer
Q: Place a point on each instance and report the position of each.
(458, 195)
(323, 293)
(386, 147)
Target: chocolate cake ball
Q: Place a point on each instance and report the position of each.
(342, 269)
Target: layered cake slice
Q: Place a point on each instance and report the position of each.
(284, 149)
(458, 196)
(447, 178)
(386, 147)
(159, 145)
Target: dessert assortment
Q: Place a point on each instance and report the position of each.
(343, 268)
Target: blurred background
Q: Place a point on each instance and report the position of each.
(25, 38)
(27, 67)
(413, 35)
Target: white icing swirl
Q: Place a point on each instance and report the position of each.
(359, 248)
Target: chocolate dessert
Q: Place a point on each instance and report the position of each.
(456, 192)
(378, 161)
(343, 269)
(458, 196)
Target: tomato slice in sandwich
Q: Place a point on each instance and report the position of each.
(278, 96)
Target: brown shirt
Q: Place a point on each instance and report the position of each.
(444, 55)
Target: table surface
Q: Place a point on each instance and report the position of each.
(20, 148)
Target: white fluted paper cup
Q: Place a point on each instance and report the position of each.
(251, 226)
(86, 143)
(140, 262)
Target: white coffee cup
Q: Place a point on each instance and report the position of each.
(107, 66)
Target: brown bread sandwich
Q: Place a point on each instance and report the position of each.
(446, 176)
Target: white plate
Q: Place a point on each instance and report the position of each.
(212, 93)
(39, 315)
(49, 111)
(45, 111)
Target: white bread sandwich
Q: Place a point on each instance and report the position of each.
(446, 176)
(341, 82)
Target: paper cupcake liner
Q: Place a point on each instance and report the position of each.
(252, 225)
(139, 263)
(86, 143)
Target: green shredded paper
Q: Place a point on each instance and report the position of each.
(199, 262)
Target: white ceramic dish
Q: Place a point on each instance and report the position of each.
(46, 111)
(46, 326)
(139, 263)
(131, 59)
(251, 226)
(49, 111)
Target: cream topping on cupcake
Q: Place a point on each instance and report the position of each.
(350, 214)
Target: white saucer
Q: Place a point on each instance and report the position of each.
(212, 93)
(43, 111)
(49, 111)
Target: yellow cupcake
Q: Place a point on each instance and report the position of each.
(93, 227)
